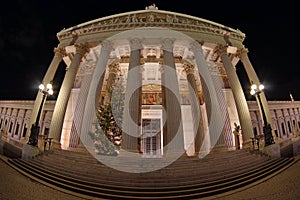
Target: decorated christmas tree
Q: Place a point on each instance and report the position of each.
(108, 135)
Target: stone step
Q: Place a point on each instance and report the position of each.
(94, 168)
(147, 179)
(122, 192)
(129, 161)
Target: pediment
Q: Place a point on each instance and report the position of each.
(149, 18)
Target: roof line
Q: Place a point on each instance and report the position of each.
(143, 11)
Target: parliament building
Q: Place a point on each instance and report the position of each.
(180, 87)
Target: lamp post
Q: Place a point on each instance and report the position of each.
(267, 130)
(35, 128)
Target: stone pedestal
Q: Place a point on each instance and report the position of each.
(29, 151)
(54, 144)
(296, 146)
(203, 153)
(3, 136)
(247, 144)
(272, 150)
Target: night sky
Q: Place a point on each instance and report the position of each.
(28, 36)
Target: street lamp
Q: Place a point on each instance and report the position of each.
(35, 128)
(267, 130)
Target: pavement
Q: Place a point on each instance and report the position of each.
(283, 186)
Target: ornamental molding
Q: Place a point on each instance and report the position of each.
(217, 69)
(150, 18)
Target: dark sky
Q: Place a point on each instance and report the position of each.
(28, 35)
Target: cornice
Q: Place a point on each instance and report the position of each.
(149, 18)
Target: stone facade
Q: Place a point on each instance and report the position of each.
(176, 67)
(15, 118)
(285, 118)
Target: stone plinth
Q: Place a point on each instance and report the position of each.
(272, 150)
(29, 151)
(296, 145)
(9, 150)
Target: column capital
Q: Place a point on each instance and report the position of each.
(106, 45)
(167, 44)
(196, 46)
(221, 49)
(242, 53)
(135, 44)
(60, 51)
(82, 48)
(89, 67)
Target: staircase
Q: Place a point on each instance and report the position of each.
(187, 178)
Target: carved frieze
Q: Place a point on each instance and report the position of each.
(150, 18)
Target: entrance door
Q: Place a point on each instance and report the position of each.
(150, 138)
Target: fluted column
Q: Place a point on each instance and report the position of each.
(92, 99)
(133, 100)
(195, 107)
(209, 95)
(173, 137)
(225, 140)
(64, 93)
(79, 109)
(59, 54)
(239, 96)
(243, 54)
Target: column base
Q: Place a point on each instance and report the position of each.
(29, 151)
(247, 144)
(202, 154)
(54, 144)
(4, 137)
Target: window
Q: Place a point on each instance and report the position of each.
(17, 129)
(151, 137)
(24, 132)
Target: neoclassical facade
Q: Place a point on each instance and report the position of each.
(181, 92)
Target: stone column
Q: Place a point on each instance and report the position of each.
(173, 138)
(79, 109)
(215, 120)
(21, 124)
(93, 95)
(133, 100)
(239, 96)
(195, 107)
(59, 54)
(64, 93)
(243, 54)
(225, 140)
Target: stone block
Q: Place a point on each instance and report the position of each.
(296, 146)
(29, 151)
(272, 150)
